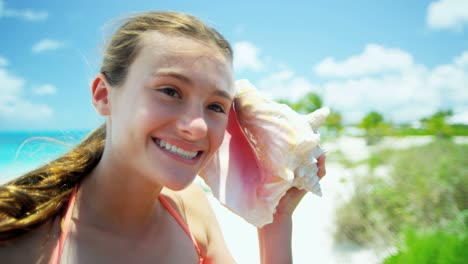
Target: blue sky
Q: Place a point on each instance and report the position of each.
(405, 59)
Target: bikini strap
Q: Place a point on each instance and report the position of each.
(64, 229)
(181, 222)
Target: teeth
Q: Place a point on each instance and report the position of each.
(183, 153)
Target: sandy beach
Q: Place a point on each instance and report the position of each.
(314, 218)
(313, 227)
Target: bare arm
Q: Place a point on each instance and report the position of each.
(275, 242)
(275, 239)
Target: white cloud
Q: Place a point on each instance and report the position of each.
(3, 62)
(26, 14)
(448, 14)
(45, 45)
(462, 60)
(374, 59)
(14, 107)
(10, 86)
(400, 97)
(24, 110)
(405, 96)
(285, 85)
(460, 118)
(381, 79)
(246, 57)
(389, 81)
(45, 89)
(451, 83)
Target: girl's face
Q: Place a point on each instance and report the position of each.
(169, 116)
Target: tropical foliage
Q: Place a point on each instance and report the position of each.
(426, 189)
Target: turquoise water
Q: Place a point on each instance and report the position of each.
(24, 150)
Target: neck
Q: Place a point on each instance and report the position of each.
(115, 200)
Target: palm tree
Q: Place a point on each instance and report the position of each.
(374, 125)
(437, 124)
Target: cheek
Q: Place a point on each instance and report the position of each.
(125, 107)
(152, 112)
(218, 130)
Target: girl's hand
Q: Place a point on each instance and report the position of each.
(275, 238)
(291, 199)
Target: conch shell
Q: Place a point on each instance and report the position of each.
(267, 149)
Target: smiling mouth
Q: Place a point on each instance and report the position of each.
(185, 154)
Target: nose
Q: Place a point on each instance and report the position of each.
(192, 125)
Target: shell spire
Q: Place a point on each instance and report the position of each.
(317, 117)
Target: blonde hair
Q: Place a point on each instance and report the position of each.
(125, 43)
(34, 198)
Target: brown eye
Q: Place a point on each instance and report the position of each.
(216, 108)
(170, 92)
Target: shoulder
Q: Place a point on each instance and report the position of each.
(194, 207)
(192, 202)
(203, 223)
(36, 246)
(196, 201)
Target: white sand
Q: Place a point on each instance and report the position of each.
(314, 218)
(313, 227)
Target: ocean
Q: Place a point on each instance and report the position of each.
(22, 151)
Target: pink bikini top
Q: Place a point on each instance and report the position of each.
(65, 227)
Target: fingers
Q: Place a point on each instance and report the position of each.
(321, 166)
(297, 193)
(293, 196)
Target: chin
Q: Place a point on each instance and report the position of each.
(179, 184)
(178, 187)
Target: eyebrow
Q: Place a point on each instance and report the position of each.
(175, 75)
(185, 79)
(224, 94)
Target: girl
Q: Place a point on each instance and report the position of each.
(125, 194)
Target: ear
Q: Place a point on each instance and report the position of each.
(100, 91)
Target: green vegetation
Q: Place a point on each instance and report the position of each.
(437, 124)
(426, 189)
(375, 125)
(421, 205)
(434, 246)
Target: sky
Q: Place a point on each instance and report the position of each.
(404, 59)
